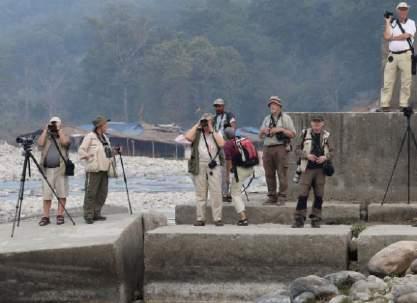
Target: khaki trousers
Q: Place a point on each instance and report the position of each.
(400, 62)
(275, 160)
(235, 188)
(316, 179)
(208, 180)
(96, 189)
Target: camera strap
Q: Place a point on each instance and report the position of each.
(59, 150)
(208, 148)
(272, 120)
(410, 43)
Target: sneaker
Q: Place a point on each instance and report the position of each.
(315, 223)
(219, 223)
(270, 201)
(282, 200)
(383, 110)
(89, 220)
(199, 223)
(298, 223)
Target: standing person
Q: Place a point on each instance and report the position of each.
(205, 166)
(96, 151)
(53, 165)
(314, 150)
(400, 35)
(222, 120)
(242, 168)
(277, 130)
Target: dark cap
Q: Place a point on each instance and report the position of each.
(317, 118)
(99, 121)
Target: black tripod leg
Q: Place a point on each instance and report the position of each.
(50, 186)
(20, 196)
(125, 180)
(395, 167)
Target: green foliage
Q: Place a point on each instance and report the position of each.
(166, 60)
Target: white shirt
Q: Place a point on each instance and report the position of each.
(202, 148)
(409, 27)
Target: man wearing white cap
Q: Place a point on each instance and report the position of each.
(400, 35)
(277, 130)
(54, 145)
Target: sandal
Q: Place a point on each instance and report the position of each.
(243, 222)
(60, 220)
(44, 221)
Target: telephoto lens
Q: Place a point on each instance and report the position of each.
(297, 175)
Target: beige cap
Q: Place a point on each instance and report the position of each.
(403, 5)
(218, 101)
(206, 116)
(276, 100)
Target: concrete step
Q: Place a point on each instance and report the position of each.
(392, 213)
(102, 262)
(333, 213)
(195, 257)
(375, 238)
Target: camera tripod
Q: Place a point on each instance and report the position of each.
(27, 152)
(408, 136)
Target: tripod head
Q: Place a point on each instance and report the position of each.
(408, 112)
(26, 143)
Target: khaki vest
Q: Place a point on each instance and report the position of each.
(194, 162)
(308, 145)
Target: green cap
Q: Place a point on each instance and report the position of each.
(317, 118)
(99, 121)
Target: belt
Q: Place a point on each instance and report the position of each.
(400, 52)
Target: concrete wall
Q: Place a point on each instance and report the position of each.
(366, 148)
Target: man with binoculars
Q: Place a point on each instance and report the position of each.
(400, 35)
(205, 166)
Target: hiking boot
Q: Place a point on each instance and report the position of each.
(99, 218)
(270, 201)
(89, 220)
(298, 222)
(315, 222)
(199, 223)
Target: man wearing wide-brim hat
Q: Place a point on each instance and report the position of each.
(277, 130)
(314, 150)
(97, 154)
(399, 33)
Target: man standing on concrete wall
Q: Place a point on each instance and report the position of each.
(400, 35)
(276, 130)
(223, 119)
(314, 150)
(205, 166)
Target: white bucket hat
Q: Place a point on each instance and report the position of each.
(57, 120)
(403, 5)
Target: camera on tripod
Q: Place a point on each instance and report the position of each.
(25, 141)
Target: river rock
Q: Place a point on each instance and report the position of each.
(345, 279)
(408, 298)
(341, 299)
(394, 259)
(305, 297)
(320, 287)
(404, 286)
(413, 267)
(367, 289)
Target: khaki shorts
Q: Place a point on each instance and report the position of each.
(58, 182)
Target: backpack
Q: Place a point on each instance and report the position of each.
(248, 155)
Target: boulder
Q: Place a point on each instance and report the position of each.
(368, 289)
(345, 279)
(413, 267)
(320, 287)
(404, 286)
(341, 299)
(394, 259)
(408, 298)
(305, 297)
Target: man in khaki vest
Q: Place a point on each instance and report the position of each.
(314, 150)
(400, 36)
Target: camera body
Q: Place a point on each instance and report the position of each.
(53, 127)
(212, 164)
(108, 152)
(203, 123)
(388, 14)
(25, 141)
(281, 136)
